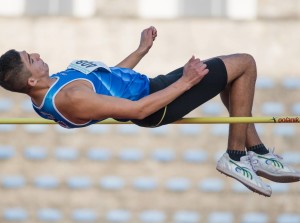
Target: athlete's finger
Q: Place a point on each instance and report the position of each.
(192, 59)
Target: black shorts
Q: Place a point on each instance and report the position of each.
(210, 86)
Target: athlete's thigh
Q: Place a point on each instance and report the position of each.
(236, 64)
(210, 86)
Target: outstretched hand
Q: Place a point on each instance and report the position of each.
(193, 72)
(147, 37)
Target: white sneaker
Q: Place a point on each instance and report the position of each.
(243, 172)
(272, 167)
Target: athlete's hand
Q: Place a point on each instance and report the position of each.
(193, 72)
(147, 37)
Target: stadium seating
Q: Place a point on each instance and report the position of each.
(220, 217)
(35, 128)
(46, 182)
(219, 130)
(6, 152)
(264, 83)
(272, 108)
(99, 154)
(190, 130)
(26, 106)
(296, 108)
(118, 216)
(66, 153)
(15, 214)
(62, 130)
(284, 131)
(239, 188)
(195, 156)
(213, 108)
(178, 184)
(279, 187)
(291, 157)
(6, 104)
(160, 131)
(13, 181)
(35, 153)
(49, 215)
(163, 155)
(255, 217)
(131, 155)
(186, 217)
(7, 128)
(79, 182)
(211, 185)
(98, 129)
(145, 184)
(84, 215)
(128, 129)
(291, 83)
(288, 218)
(152, 216)
(112, 183)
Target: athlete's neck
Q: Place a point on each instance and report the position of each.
(38, 92)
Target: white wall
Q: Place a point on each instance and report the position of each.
(12, 7)
(164, 9)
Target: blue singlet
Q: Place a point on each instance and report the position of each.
(115, 81)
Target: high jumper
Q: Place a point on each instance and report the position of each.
(90, 91)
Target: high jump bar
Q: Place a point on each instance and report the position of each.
(196, 120)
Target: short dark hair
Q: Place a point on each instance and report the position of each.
(13, 74)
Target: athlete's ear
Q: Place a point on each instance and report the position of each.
(32, 81)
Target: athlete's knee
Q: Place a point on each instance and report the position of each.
(250, 64)
(240, 64)
(249, 60)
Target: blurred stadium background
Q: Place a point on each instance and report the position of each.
(122, 173)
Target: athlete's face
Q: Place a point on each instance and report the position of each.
(33, 63)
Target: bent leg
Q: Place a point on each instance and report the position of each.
(252, 138)
(238, 98)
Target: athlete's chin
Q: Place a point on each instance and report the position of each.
(46, 66)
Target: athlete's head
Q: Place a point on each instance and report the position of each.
(19, 71)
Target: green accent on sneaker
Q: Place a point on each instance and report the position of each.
(245, 170)
(274, 162)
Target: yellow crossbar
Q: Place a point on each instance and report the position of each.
(202, 120)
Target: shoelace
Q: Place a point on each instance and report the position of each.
(272, 151)
(257, 179)
(249, 162)
(250, 159)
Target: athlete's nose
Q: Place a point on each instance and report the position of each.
(36, 56)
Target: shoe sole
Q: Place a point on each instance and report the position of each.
(245, 184)
(278, 179)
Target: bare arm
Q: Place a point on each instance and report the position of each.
(147, 37)
(86, 105)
